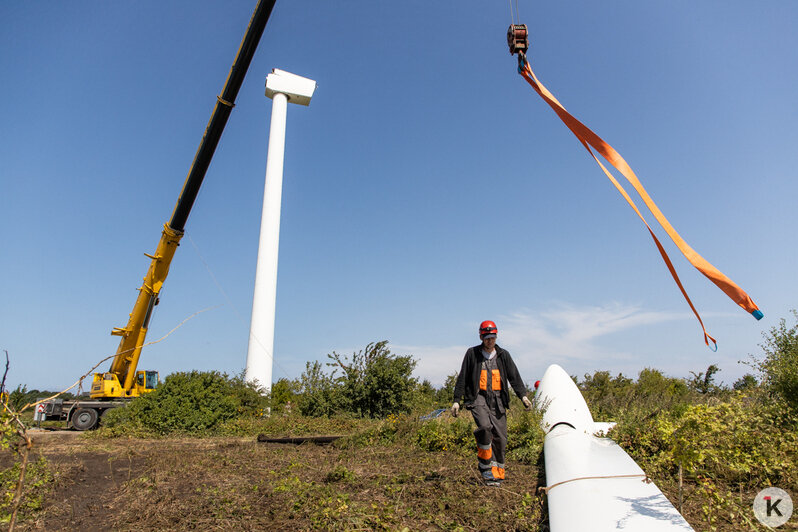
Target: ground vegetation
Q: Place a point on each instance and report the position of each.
(186, 456)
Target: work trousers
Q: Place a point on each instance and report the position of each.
(491, 435)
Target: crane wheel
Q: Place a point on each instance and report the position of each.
(85, 419)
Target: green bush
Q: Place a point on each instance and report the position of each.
(736, 441)
(424, 397)
(318, 393)
(375, 383)
(37, 473)
(282, 393)
(524, 436)
(445, 396)
(38, 478)
(704, 382)
(653, 385)
(779, 368)
(446, 435)
(187, 402)
(372, 383)
(746, 382)
(613, 398)
(745, 440)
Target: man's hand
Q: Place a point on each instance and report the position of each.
(455, 409)
(527, 403)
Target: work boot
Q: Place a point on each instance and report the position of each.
(489, 479)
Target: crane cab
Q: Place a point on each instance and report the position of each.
(107, 385)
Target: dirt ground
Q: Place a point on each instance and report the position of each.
(240, 484)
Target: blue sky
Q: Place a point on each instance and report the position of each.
(426, 187)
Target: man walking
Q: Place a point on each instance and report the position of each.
(482, 382)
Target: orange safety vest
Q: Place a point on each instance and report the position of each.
(495, 377)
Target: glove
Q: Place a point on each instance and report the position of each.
(455, 409)
(527, 403)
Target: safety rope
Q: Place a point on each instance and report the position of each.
(546, 489)
(589, 140)
(235, 309)
(79, 382)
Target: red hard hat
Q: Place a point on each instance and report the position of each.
(487, 327)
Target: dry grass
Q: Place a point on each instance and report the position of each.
(236, 483)
(239, 484)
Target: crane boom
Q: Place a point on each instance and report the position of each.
(120, 381)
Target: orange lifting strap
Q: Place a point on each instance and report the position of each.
(589, 139)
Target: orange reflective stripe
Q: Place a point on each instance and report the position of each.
(498, 472)
(483, 380)
(496, 379)
(589, 139)
(485, 454)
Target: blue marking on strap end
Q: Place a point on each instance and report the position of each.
(757, 314)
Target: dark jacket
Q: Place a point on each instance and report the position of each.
(467, 386)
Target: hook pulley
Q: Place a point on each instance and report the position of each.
(518, 38)
(518, 41)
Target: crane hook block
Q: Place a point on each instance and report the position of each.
(518, 38)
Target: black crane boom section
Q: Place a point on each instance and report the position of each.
(221, 113)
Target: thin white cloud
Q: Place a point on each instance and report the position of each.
(568, 332)
(563, 333)
(435, 363)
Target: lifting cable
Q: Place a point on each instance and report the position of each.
(517, 39)
(235, 309)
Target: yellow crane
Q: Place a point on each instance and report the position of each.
(123, 381)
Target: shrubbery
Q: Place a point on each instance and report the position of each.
(283, 394)
(612, 398)
(372, 383)
(779, 368)
(37, 478)
(188, 402)
(525, 439)
(726, 449)
(745, 440)
(446, 435)
(726, 441)
(18, 466)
